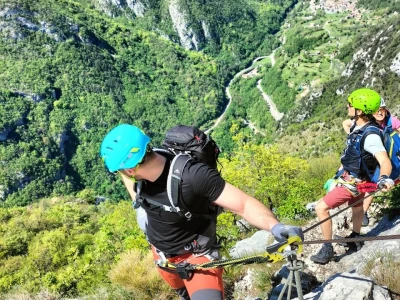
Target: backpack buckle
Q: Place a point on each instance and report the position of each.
(188, 215)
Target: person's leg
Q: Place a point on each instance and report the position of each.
(334, 198)
(172, 279)
(322, 210)
(325, 253)
(205, 284)
(358, 213)
(367, 202)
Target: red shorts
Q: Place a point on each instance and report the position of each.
(340, 195)
(205, 284)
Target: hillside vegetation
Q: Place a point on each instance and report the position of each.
(70, 246)
(313, 51)
(70, 72)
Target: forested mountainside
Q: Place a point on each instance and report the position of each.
(321, 59)
(71, 70)
(372, 60)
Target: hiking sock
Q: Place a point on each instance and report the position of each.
(354, 234)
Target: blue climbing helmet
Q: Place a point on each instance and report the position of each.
(123, 147)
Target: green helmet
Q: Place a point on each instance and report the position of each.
(366, 100)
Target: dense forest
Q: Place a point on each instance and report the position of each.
(70, 72)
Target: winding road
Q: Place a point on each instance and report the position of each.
(272, 107)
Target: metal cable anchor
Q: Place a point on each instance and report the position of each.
(294, 266)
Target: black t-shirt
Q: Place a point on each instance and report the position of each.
(169, 232)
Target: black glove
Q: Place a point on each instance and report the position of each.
(283, 232)
(383, 181)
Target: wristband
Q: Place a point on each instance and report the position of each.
(383, 177)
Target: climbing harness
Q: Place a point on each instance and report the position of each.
(276, 252)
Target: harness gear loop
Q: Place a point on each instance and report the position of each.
(162, 261)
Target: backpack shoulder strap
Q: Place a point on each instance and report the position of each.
(370, 129)
(138, 190)
(359, 137)
(367, 131)
(140, 200)
(174, 184)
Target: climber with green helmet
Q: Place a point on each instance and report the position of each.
(364, 152)
(126, 150)
(385, 119)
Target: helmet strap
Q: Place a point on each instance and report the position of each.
(356, 117)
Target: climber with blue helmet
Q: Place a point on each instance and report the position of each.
(126, 150)
(363, 154)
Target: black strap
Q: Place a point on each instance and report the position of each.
(174, 189)
(175, 185)
(369, 130)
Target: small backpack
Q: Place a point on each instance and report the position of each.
(391, 141)
(184, 143)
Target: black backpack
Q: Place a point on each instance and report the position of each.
(184, 143)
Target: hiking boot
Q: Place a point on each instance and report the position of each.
(365, 221)
(353, 246)
(324, 255)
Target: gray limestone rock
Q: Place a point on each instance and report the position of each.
(349, 286)
(254, 245)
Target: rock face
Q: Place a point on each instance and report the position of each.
(14, 22)
(192, 33)
(187, 36)
(244, 286)
(17, 24)
(348, 286)
(370, 55)
(137, 7)
(350, 276)
(351, 285)
(254, 245)
(116, 7)
(395, 66)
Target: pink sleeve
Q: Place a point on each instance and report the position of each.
(395, 122)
